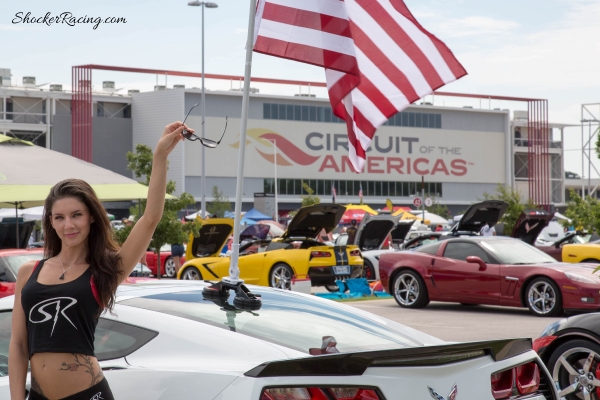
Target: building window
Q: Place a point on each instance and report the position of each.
(322, 187)
(291, 112)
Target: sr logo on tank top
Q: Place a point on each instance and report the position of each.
(51, 309)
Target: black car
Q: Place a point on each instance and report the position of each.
(570, 348)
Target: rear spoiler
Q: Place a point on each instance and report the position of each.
(344, 364)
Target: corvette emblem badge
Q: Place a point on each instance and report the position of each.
(437, 396)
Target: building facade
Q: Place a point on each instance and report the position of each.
(456, 154)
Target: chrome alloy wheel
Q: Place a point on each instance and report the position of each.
(281, 277)
(191, 274)
(574, 374)
(406, 289)
(170, 268)
(542, 298)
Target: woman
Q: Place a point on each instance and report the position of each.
(59, 299)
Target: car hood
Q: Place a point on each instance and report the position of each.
(8, 233)
(309, 220)
(583, 269)
(530, 224)
(478, 214)
(373, 230)
(213, 235)
(401, 230)
(256, 231)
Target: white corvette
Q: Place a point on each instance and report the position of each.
(167, 342)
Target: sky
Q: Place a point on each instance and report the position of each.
(545, 49)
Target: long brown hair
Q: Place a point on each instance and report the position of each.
(102, 254)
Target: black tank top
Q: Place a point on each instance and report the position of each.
(61, 318)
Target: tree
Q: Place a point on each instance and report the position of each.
(515, 205)
(220, 204)
(309, 199)
(439, 209)
(169, 229)
(583, 212)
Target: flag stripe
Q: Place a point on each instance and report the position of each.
(306, 36)
(386, 44)
(307, 19)
(448, 58)
(385, 65)
(334, 8)
(403, 40)
(307, 54)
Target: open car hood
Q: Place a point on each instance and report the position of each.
(530, 225)
(8, 233)
(213, 236)
(478, 214)
(256, 231)
(309, 220)
(401, 230)
(373, 230)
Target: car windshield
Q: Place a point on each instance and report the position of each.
(15, 262)
(286, 319)
(516, 252)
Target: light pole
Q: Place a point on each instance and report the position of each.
(203, 4)
(275, 186)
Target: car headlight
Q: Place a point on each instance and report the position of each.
(579, 278)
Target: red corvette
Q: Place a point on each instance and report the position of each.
(489, 270)
(167, 265)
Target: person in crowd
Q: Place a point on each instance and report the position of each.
(76, 282)
(351, 232)
(487, 230)
(439, 228)
(177, 251)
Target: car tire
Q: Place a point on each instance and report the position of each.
(332, 288)
(409, 290)
(191, 274)
(170, 268)
(368, 271)
(590, 260)
(280, 276)
(543, 298)
(575, 361)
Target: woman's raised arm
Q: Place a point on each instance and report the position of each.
(138, 240)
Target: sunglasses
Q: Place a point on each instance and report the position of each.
(205, 142)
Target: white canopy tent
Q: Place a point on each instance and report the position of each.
(433, 219)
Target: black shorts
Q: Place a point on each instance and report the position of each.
(177, 250)
(100, 391)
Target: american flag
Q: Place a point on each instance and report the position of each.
(333, 192)
(378, 58)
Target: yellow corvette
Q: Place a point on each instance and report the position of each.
(274, 262)
(581, 252)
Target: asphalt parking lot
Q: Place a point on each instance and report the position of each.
(454, 322)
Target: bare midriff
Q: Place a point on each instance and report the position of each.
(58, 375)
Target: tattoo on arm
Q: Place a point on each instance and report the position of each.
(85, 362)
(35, 385)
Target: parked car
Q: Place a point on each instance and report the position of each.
(10, 262)
(166, 261)
(582, 252)
(570, 348)
(12, 259)
(488, 270)
(164, 341)
(371, 235)
(275, 262)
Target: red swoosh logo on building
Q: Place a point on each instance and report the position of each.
(271, 158)
(290, 150)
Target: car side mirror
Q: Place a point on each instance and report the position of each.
(477, 260)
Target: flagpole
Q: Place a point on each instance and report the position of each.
(234, 270)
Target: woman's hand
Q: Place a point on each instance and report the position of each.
(170, 137)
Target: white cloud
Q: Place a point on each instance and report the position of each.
(474, 26)
(11, 27)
